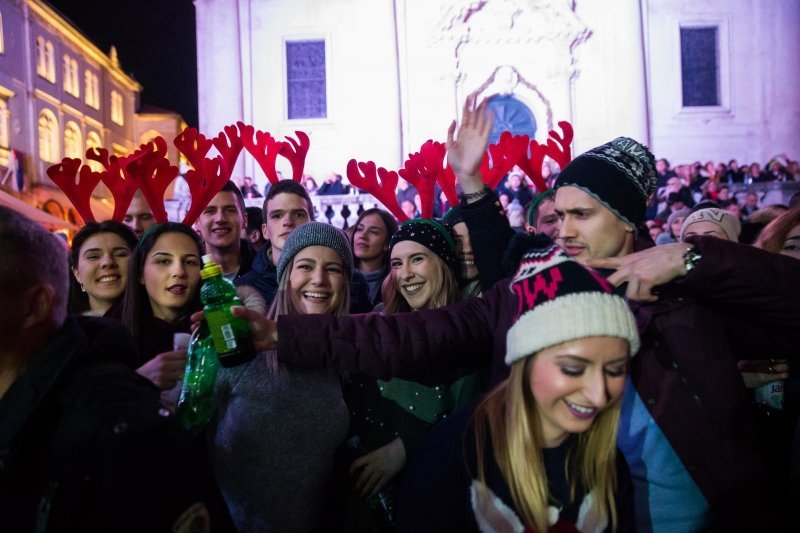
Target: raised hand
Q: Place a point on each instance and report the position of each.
(466, 150)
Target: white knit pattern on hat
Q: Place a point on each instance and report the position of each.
(570, 317)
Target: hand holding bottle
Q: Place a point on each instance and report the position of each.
(165, 369)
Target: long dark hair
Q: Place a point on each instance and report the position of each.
(79, 300)
(136, 309)
(391, 227)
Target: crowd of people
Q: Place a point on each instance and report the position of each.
(524, 360)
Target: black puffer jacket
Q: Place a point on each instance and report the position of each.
(86, 446)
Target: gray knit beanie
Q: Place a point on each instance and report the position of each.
(316, 234)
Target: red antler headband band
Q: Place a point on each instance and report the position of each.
(149, 169)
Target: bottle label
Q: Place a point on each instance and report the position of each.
(221, 330)
(770, 394)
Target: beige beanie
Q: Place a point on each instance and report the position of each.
(727, 221)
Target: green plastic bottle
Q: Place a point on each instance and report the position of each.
(196, 400)
(231, 335)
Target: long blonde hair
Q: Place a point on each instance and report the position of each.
(445, 289)
(509, 414)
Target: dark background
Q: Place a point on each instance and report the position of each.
(155, 42)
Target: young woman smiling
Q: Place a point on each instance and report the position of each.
(539, 451)
(391, 417)
(273, 441)
(370, 243)
(99, 263)
(162, 291)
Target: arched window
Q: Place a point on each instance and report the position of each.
(4, 136)
(41, 57)
(48, 136)
(50, 61)
(117, 113)
(93, 141)
(73, 142)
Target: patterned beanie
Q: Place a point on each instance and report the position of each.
(727, 221)
(620, 174)
(431, 234)
(316, 234)
(559, 300)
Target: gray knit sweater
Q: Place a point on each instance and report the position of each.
(273, 440)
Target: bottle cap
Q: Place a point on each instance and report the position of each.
(210, 268)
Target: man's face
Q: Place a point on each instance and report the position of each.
(285, 212)
(547, 222)
(221, 223)
(588, 229)
(139, 217)
(674, 184)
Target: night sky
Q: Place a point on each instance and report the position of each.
(155, 42)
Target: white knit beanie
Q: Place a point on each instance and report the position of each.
(558, 300)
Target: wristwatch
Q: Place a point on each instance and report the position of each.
(691, 257)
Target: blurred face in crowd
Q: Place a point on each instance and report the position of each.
(514, 180)
(735, 210)
(222, 222)
(655, 231)
(139, 217)
(285, 212)
(675, 227)
(661, 166)
(464, 253)
(547, 222)
(791, 246)
(371, 238)
(317, 280)
(171, 275)
(588, 229)
(674, 184)
(102, 269)
(575, 381)
(416, 273)
(705, 228)
(409, 208)
(751, 200)
(504, 201)
(724, 194)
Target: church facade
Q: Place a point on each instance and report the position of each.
(374, 79)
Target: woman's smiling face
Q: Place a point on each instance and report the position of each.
(102, 268)
(574, 381)
(415, 273)
(317, 280)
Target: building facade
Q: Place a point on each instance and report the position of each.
(59, 96)
(374, 79)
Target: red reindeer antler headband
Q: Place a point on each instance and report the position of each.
(425, 168)
(149, 169)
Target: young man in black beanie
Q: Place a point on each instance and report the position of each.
(687, 430)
